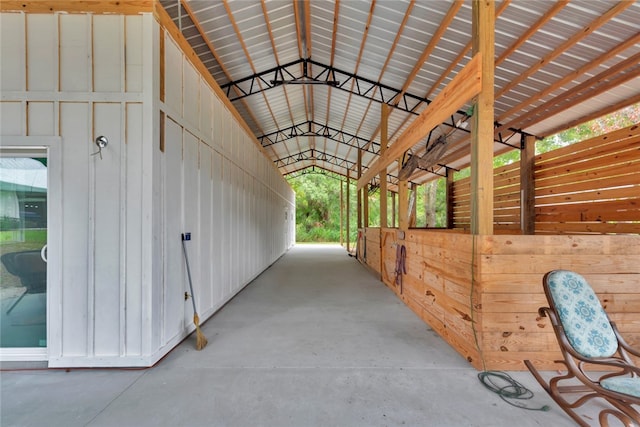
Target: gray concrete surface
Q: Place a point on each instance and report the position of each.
(316, 340)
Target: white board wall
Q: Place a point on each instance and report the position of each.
(120, 299)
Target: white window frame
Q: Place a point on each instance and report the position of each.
(52, 144)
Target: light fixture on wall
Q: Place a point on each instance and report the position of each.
(101, 142)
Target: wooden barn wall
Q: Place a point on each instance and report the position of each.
(500, 276)
(119, 298)
(591, 187)
(506, 201)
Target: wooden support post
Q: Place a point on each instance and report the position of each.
(449, 198)
(348, 212)
(393, 209)
(341, 213)
(403, 202)
(365, 206)
(414, 206)
(359, 192)
(483, 28)
(384, 109)
(527, 186)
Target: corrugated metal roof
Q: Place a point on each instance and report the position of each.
(376, 49)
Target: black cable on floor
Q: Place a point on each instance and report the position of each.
(509, 390)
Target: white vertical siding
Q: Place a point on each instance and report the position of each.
(123, 278)
(134, 221)
(12, 49)
(105, 225)
(108, 53)
(75, 53)
(42, 52)
(75, 125)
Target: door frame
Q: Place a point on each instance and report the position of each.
(52, 144)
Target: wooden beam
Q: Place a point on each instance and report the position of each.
(359, 190)
(527, 186)
(449, 197)
(393, 209)
(434, 40)
(365, 206)
(462, 88)
(483, 29)
(403, 204)
(579, 35)
(461, 55)
(341, 212)
(414, 206)
(606, 56)
(384, 131)
(555, 8)
(122, 7)
(612, 77)
(348, 206)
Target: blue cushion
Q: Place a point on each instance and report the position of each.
(583, 318)
(625, 385)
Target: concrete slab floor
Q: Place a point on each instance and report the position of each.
(316, 340)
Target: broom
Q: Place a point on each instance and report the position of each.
(201, 340)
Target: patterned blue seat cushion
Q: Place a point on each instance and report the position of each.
(625, 385)
(583, 318)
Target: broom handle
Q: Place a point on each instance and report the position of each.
(186, 259)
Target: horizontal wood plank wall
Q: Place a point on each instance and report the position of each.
(590, 187)
(502, 280)
(512, 268)
(506, 200)
(372, 236)
(438, 284)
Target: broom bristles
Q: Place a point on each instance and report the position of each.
(201, 340)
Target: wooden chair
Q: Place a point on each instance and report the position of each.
(594, 352)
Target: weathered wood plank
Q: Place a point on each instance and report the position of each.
(527, 283)
(122, 7)
(588, 228)
(560, 245)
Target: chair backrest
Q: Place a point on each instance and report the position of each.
(585, 322)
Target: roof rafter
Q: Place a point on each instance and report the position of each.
(575, 74)
(616, 75)
(579, 35)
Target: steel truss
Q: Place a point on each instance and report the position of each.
(328, 75)
(311, 128)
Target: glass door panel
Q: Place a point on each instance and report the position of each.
(23, 248)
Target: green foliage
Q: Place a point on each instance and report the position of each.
(609, 123)
(317, 208)
(318, 195)
(9, 223)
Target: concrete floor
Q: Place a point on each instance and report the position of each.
(316, 340)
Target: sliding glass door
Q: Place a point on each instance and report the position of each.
(23, 248)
